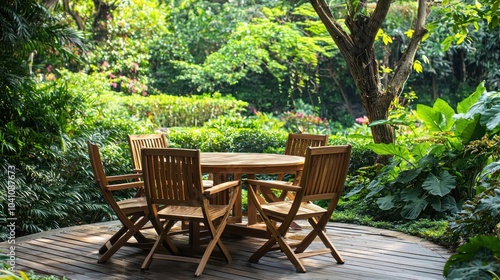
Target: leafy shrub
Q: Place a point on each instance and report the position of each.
(172, 111)
(433, 174)
(304, 119)
(480, 215)
(228, 139)
(45, 147)
(479, 258)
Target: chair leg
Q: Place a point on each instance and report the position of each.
(108, 244)
(278, 236)
(194, 234)
(123, 239)
(318, 230)
(164, 239)
(138, 235)
(216, 234)
(255, 257)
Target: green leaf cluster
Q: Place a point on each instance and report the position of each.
(432, 175)
(477, 259)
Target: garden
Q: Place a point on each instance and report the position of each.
(227, 76)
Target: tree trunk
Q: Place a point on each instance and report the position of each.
(357, 48)
(102, 15)
(74, 15)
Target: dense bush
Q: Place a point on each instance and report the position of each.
(168, 111)
(435, 170)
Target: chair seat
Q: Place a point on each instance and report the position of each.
(191, 212)
(281, 210)
(132, 205)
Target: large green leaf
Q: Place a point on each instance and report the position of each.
(386, 202)
(474, 259)
(464, 105)
(413, 209)
(390, 149)
(476, 269)
(442, 204)
(410, 194)
(469, 129)
(446, 111)
(406, 176)
(487, 100)
(375, 190)
(431, 118)
(441, 185)
(354, 191)
(420, 150)
(491, 118)
(489, 204)
(490, 169)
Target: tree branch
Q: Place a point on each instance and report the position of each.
(342, 40)
(74, 15)
(377, 18)
(404, 66)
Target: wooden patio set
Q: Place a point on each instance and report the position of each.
(180, 224)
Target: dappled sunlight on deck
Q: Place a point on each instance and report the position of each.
(369, 253)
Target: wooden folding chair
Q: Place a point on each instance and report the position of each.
(159, 140)
(297, 144)
(138, 141)
(174, 192)
(132, 213)
(323, 178)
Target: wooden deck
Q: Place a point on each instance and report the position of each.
(369, 253)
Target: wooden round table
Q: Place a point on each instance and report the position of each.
(249, 163)
(237, 164)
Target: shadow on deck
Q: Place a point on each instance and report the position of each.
(369, 253)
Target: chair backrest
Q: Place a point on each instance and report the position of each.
(100, 175)
(297, 143)
(172, 176)
(138, 141)
(324, 173)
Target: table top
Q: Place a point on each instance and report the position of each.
(249, 163)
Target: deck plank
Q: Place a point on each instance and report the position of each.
(369, 254)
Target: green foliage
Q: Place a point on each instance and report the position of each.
(304, 119)
(258, 121)
(172, 111)
(125, 54)
(479, 216)
(28, 28)
(8, 273)
(477, 259)
(464, 16)
(433, 175)
(228, 139)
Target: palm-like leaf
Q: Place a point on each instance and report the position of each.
(26, 27)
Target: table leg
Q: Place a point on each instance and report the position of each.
(222, 198)
(251, 209)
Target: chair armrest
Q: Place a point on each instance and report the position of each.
(124, 177)
(123, 186)
(273, 184)
(221, 187)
